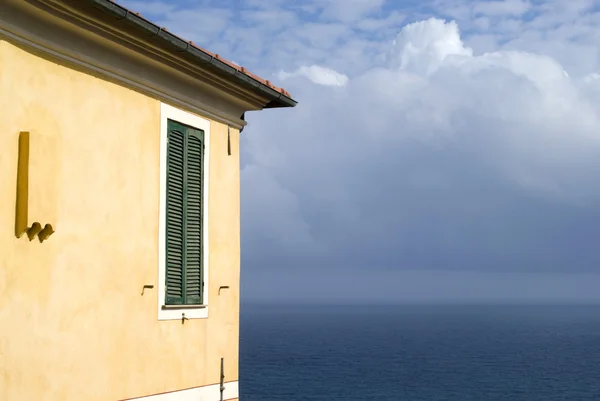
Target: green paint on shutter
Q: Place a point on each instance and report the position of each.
(175, 217)
(193, 256)
(185, 155)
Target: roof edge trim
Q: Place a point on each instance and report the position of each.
(244, 79)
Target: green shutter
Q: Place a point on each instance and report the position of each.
(175, 217)
(193, 255)
(185, 154)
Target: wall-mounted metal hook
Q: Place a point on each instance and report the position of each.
(46, 232)
(34, 230)
(148, 286)
(183, 318)
(223, 287)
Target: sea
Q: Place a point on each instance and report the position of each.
(414, 353)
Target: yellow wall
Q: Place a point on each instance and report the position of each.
(73, 325)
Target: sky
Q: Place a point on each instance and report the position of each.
(441, 151)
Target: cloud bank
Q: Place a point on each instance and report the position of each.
(439, 158)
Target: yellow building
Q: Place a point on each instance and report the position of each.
(119, 206)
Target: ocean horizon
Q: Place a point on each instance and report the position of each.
(420, 352)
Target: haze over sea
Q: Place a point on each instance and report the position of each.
(418, 352)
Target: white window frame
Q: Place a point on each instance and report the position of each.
(172, 312)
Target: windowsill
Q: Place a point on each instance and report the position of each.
(184, 306)
(176, 312)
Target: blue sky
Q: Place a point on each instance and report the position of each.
(444, 150)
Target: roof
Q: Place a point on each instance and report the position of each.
(278, 97)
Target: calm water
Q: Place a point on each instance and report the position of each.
(420, 353)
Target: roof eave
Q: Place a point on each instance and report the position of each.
(276, 98)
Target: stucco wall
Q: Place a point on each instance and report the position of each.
(73, 325)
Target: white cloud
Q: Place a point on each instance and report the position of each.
(394, 19)
(594, 77)
(448, 158)
(502, 7)
(318, 75)
(272, 19)
(349, 10)
(423, 46)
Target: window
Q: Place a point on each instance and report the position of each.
(183, 233)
